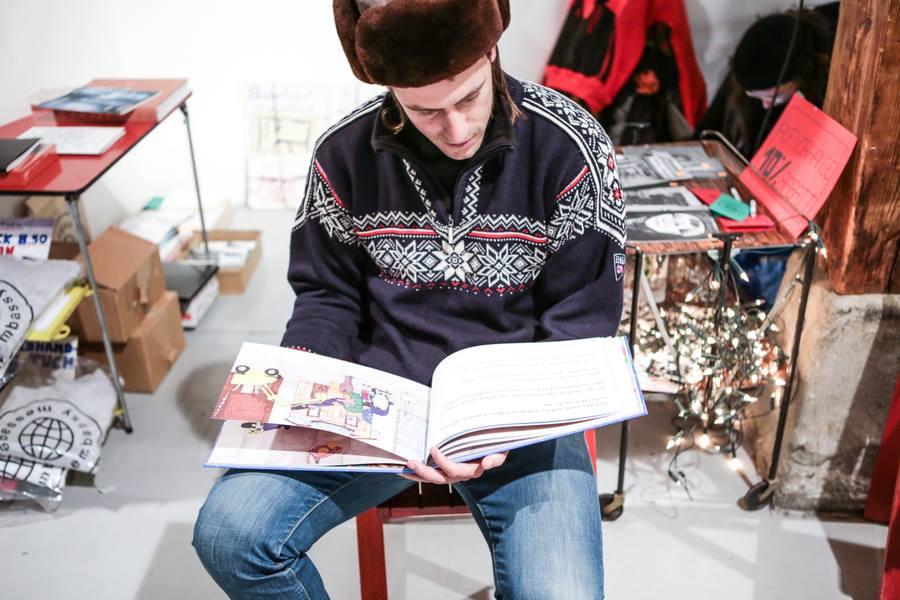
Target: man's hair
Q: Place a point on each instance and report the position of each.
(394, 118)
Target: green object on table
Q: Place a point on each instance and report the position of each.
(154, 203)
(731, 208)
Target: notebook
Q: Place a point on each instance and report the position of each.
(13, 152)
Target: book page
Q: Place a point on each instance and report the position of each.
(540, 433)
(265, 446)
(282, 386)
(507, 385)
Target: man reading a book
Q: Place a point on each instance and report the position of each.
(462, 207)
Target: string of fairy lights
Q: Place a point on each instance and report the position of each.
(721, 354)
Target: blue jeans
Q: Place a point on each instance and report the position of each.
(538, 513)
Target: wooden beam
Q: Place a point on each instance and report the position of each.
(862, 215)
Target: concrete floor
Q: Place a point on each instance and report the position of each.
(130, 536)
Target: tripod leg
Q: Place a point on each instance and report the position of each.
(613, 505)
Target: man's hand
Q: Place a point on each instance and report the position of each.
(452, 472)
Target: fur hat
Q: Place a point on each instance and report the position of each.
(411, 43)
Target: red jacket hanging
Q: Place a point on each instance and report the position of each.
(632, 18)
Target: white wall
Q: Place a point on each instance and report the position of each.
(223, 45)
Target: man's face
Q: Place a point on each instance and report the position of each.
(453, 114)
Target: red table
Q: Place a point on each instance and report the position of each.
(71, 176)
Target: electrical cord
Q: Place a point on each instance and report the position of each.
(784, 66)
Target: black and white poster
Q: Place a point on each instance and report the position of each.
(668, 226)
(671, 198)
(642, 166)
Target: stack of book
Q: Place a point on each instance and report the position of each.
(649, 166)
(102, 102)
(22, 159)
(119, 100)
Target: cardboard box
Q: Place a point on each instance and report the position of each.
(130, 277)
(55, 207)
(144, 360)
(234, 280)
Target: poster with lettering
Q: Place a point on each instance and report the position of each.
(798, 164)
(26, 238)
(59, 358)
(27, 288)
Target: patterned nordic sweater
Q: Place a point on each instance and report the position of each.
(534, 250)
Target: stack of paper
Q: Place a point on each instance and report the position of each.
(90, 141)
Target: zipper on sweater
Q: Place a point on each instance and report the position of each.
(464, 177)
(403, 153)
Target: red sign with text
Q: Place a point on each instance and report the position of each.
(798, 164)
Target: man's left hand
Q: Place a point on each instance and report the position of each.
(452, 472)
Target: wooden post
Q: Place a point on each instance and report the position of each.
(862, 215)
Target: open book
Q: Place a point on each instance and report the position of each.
(287, 409)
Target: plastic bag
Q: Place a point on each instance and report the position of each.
(62, 424)
(27, 480)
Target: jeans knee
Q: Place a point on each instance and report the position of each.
(537, 588)
(230, 547)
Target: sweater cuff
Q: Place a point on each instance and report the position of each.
(301, 348)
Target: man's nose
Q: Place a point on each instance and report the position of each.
(455, 129)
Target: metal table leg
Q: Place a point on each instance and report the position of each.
(723, 264)
(187, 124)
(761, 493)
(613, 505)
(72, 203)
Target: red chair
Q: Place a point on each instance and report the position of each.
(435, 500)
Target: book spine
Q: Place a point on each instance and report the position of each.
(27, 171)
(69, 116)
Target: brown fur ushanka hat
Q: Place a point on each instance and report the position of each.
(411, 43)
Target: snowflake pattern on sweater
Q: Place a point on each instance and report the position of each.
(484, 253)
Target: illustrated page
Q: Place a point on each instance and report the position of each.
(282, 386)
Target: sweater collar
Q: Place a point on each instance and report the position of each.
(501, 133)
